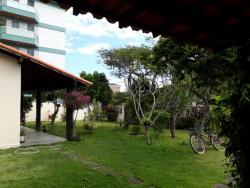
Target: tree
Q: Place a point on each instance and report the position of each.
(26, 107)
(100, 90)
(236, 126)
(142, 80)
(205, 73)
(120, 98)
(181, 101)
(56, 98)
(74, 100)
(224, 74)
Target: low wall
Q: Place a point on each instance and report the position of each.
(48, 109)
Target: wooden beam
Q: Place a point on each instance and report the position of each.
(38, 110)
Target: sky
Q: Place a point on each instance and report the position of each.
(86, 35)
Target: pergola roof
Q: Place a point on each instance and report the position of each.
(215, 23)
(39, 75)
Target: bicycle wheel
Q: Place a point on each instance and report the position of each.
(197, 144)
(218, 143)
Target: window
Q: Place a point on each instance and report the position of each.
(15, 23)
(2, 22)
(31, 2)
(30, 27)
(30, 52)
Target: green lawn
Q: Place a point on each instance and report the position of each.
(110, 157)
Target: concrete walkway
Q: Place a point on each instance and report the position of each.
(39, 138)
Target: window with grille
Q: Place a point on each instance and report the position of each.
(31, 2)
(30, 27)
(30, 52)
(15, 24)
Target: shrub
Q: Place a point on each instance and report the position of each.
(184, 123)
(111, 113)
(88, 126)
(135, 130)
(130, 118)
(162, 121)
(79, 135)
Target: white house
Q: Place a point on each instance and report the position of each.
(38, 29)
(21, 72)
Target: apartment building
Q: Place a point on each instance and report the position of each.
(34, 27)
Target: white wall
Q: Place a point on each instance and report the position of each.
(22, 4)
(55, 59)
(51, 38)
(121, 113)
(10, 83)
(50, 14)
(47, 109)
(23, 1)
(22, 25)
(48, 38)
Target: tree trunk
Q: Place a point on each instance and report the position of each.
(56, 110)
(69, 124)
(147, 135)
(205, 117)
(173, 125)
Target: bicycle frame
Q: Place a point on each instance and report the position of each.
(207, 139)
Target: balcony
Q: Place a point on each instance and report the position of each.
(18, 36)
(19, 10)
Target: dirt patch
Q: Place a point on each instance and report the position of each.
(219, 185)
(135, 180)
(103, 169)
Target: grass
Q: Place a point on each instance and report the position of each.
(111, 158)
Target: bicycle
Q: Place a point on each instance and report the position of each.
(199, 140)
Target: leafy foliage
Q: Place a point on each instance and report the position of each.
(120, 98)
(100, 90)
(56, 98)
(161, 122)
(26, 107)
(135, 130)
(111, 112)
(75, 100)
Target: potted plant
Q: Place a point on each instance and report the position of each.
(22, 136)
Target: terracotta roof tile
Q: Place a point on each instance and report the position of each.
(43, 63)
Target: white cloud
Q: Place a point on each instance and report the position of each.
(87, 25)
(90, 49)
(131, 43)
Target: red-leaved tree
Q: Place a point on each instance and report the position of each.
(73, 100)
